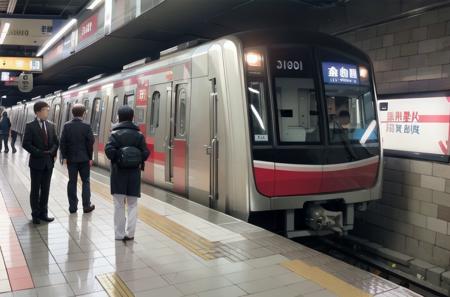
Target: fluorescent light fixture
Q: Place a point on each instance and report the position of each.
(4, 97)
(11, 6)
(368, 131)
(255, 91)
(56, 37)
(94, 4)
(5, 30)
(258, 117)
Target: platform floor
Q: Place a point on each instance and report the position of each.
(180, 249)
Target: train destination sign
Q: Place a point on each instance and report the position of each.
(415, 125)
(339, 73)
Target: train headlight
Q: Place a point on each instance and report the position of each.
(363, 73)
(254, 59)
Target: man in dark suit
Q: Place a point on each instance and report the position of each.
(77, 147)
(41, 141)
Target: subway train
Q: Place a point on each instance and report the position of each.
(251, 124)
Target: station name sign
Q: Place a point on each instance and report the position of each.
(415, 125)
(27, 64)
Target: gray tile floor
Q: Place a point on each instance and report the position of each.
(65, 256)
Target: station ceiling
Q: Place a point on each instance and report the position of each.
(176, 21)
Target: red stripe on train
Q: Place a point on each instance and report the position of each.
(273, 182)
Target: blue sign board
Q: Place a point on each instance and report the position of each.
(339, 73)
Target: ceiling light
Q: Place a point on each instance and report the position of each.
(5, 30)
(94, 4)
(11, 6)
(56, 37)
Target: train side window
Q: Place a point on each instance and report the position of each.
(96, 116)
(180, 116)
(154, 112)
(68, 111)
(128, 99)
(86, 105)
(56, 114)
(258, 112)
(115, 109)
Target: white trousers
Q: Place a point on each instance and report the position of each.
(123, 226)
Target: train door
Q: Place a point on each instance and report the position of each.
(96, 114)
(158, 132)
(177, 140)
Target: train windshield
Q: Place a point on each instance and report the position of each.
(350, 103)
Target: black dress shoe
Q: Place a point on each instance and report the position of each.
(89, 209)
(36, 221)
(126, 238)
(47, 219)
(72, 211)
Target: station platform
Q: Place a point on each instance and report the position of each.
(180, 249)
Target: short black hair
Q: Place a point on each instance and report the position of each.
(38, 106)
(344, 114)
(78, 110)
(125, 113)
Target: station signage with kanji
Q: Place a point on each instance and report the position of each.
(416, 125)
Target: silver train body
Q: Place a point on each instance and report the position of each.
(244, 124)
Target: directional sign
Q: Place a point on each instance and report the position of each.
(21, 64)
(25, 82)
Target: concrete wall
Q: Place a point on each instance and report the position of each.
(410, 55)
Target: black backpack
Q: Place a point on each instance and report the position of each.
(129, 156)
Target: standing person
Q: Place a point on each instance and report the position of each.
(127, 150)
(41, 141)
(5, 127)
(77, 147)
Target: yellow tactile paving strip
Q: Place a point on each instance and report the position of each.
(197, 244)
(114, 285)
(324, 279)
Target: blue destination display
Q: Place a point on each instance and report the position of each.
(338, 73)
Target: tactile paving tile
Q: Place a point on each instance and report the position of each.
(114, 285)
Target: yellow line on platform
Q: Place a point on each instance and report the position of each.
(324, 279)
(114, 285)
(195, 243)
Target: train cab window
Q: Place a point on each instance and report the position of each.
(128, 99)
(258, 111)
(298, 118)
(115, 109)
(180, 116)
(154, 112)
(350, 102)
(96, 115)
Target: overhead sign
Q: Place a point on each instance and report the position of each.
(87, 28)
(338, 73)
(21, 64)
(416, 125)
(25, 82)
(27, 31)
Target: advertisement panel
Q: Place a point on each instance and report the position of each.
(418, 126)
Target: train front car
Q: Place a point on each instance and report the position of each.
(314, 130)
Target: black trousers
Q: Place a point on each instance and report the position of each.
(84, 170)
(40, 188)
(13, 139)
(4, 140)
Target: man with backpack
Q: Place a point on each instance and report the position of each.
(127, 150)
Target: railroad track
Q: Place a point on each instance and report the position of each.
(348, 250)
